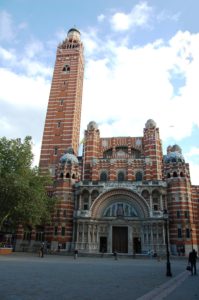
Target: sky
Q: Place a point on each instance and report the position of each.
(141, 62)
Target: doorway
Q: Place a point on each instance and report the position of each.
(103, 244)
(137, 245)
(120, 239)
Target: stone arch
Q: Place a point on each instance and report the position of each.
(146, 195)
(122, 195)
(94, 194)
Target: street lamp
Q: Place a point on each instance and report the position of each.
(191, 231)
(168, 265)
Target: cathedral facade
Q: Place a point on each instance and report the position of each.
(122, 194)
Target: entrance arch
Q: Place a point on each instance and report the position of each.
(119, 196)
(121, 210)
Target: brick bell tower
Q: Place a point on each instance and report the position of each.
(62, 124)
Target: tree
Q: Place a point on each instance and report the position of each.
(23, 196)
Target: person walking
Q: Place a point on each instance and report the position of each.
(192, 261)
(75, 254)
(42, 250)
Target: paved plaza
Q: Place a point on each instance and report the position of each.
(26, 276)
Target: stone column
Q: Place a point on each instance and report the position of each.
(109, 242)
(151, 204)
(130, 240)
(161, 203)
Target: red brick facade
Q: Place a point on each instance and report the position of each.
(113, 197)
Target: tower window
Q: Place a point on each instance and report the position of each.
(55, 150)
(178, 214)
(179, 233)
(58, 124)
(103, 176)
(66, 69)
(62, 101)
(55, 230)
(187, 233)
(120, 176)
(138, 176)
(63, 230)
(186, 214)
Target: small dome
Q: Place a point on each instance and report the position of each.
(68, 158)
(150, 124)
(74, 34)
(92, 125)
(174, 157)
(176, 148)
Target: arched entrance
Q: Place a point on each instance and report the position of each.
(120, 212)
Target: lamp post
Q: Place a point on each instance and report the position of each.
(168, 265)
(191, 231)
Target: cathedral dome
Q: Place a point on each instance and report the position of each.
(174, 155)
(92, 125)
(69, 157)
(150, 124)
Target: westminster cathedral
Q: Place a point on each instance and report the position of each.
(123, 194)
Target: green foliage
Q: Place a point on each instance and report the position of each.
(23, 197)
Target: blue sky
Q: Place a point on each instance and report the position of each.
(141, 57)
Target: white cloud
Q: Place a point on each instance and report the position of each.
(193, 151)
(33, 48)
(194, 170)
(7, 55)
(20, 90)
(138, 17)
(136, 83)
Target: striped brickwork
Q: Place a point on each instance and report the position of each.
(62, 125)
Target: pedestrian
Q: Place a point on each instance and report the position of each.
(75, 254)
(42, 250)
(192, 261)
(115, 254)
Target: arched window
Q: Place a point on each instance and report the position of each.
(61, 175)
(175, 174)
(67, 175)
(156, 200)
(103, 176)
(146, 195)
(138, 176)
(66, 69)
(94, 195)
(85, 198)
(168, 175)
(181, 174)
(120, 176)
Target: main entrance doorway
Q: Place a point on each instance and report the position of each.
(120, 239)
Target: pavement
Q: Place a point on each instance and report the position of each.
(25, 276)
